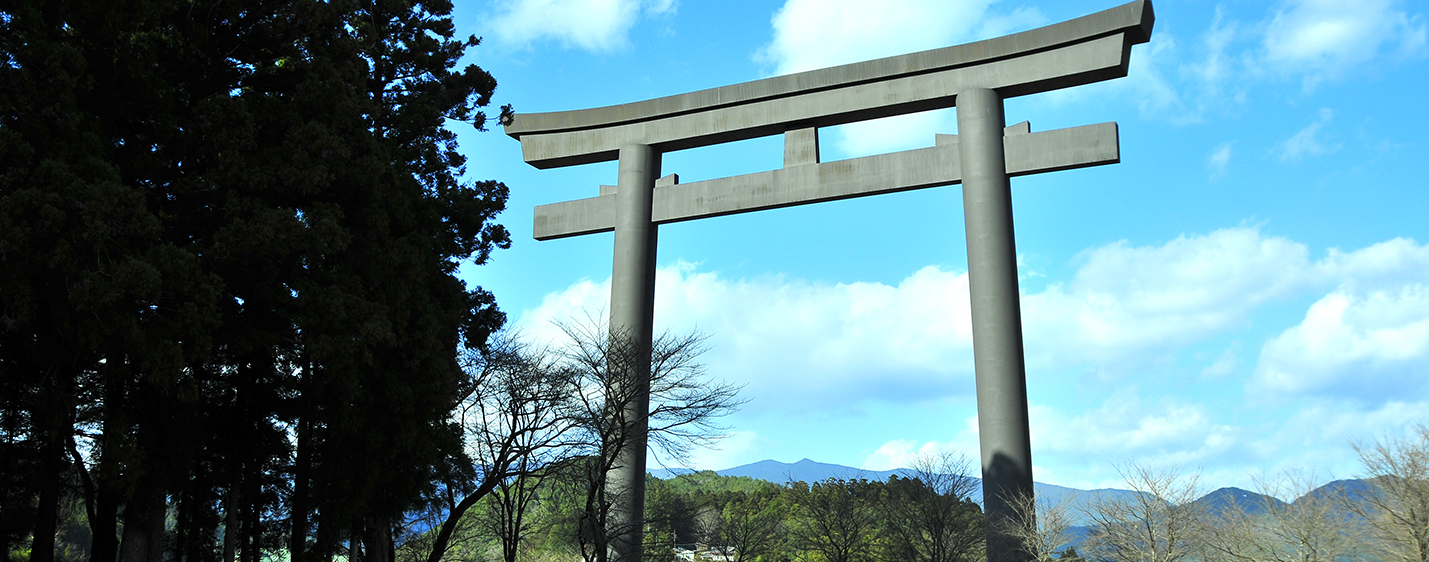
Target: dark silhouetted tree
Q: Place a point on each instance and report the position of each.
(223, 223)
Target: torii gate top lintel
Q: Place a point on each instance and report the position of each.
(1074, 52)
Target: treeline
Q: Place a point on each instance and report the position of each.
(1292, 517)
(926, 516)
(229, 231)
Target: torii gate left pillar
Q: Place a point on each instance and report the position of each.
(1003, 436)
(632, 321)
(975, 78)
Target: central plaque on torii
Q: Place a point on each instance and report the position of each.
(975, 78)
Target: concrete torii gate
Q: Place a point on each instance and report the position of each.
(974, 77)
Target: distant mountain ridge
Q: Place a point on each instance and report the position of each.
(807, 470)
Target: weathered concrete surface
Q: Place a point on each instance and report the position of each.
(1134, 19)
(801, 146)
(632, 320)
(1068, 65)
(996, 317)
(1061, 149)
(665, 181)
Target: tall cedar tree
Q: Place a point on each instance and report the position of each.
(222, 223)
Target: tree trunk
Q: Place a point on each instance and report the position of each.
(104, 528)
(53, 415)
(252, 514)
(183, 525)
(354, 545)
(302, 470)
(42, 544)
(377, 541)
(444, 535)
(230, 519)
(86, 482)
(144, 523)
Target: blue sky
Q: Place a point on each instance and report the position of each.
(1246, 292)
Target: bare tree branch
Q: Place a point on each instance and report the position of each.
(1397, 508)
(1160, 522)
(1312, 527)
(1041, 528)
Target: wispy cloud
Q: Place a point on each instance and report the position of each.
(1309, 41)
(1223, 366)
(1219, 158)
(739, 447)
(1161, 432)
(902, 453)
(1326, 39)
(592, 25)
(1309, 141)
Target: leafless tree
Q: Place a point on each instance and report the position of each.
(1397, 507)
(528, 411)
(506, 515)
(1042, 527)
(931, 516)
(1312, 527)
(683, 413)
(515, 423)
(1160, 522)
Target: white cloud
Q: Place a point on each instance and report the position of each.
(1218, 66)
(803, 346)
(903, 132)
(1325, 39)
(813, 34)
(901, 453)
(806, 342)
(1308, 141)
(738, 448)
(1313, 41)
(1352, 345)
(898, 453)
(1366, 339)
(1128, 306)
(1167, 432)
(1321, 433)
(592, 25)
(1385, 266)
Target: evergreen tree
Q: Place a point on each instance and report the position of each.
(223, 223)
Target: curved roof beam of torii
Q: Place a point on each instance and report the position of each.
(1080, 51)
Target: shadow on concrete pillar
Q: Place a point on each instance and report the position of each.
(632, 312)
(996, 317)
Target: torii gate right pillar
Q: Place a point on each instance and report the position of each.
(996, 319)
